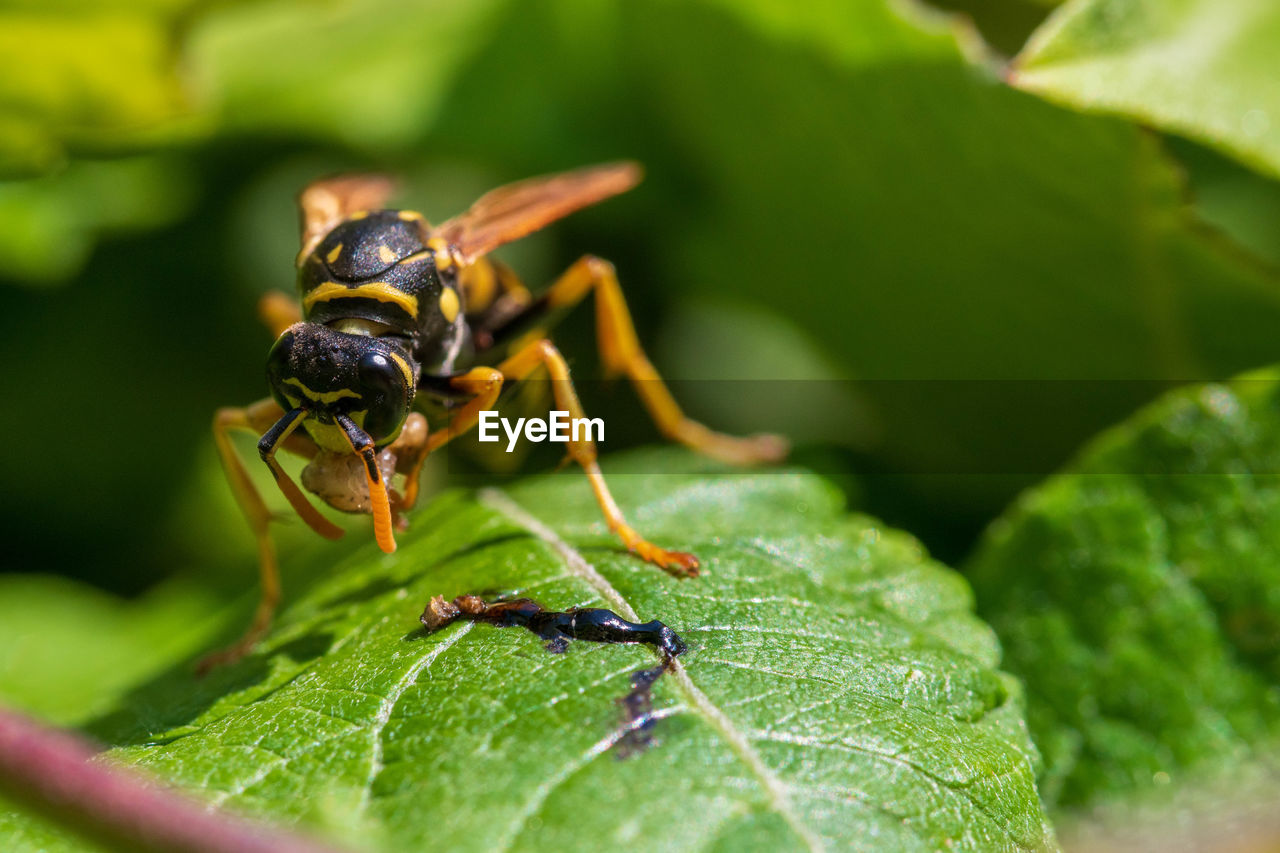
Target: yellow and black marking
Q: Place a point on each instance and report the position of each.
(327, 372)
(449, 304)
(378, 291)
(382, 268)
(494, 296)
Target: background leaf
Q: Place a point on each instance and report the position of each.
(1136, 594)
(357, 73)
(1204, 68)
(76, 73)
(837, 683)
(68, 651)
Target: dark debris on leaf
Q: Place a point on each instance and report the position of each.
(560, 627)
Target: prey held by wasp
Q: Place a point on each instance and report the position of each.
(398, 316)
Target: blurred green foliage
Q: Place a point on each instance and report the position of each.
(1203, 68)
(970, 280)
(1136, 595)
(68, 652)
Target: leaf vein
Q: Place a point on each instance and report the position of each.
(383, 717)
(778, 796)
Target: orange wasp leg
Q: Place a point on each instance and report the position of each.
(410, 449)
(379, 501)
(278, 311)
(621, 353)
(486, 383)
(267, 446)
(256, 418)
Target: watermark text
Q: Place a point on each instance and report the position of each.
(559, 428)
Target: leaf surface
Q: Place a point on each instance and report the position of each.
(1137, 594)
(67, 650)
(1208, 69)
(838, 692)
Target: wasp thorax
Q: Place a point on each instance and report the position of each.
(327, 372)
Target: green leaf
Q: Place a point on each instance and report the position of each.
(838, 690)
(1138, 594)
(47, 228)
(68, 651)
(1208, 69)
(97, 73)
(1226, 195)
(370, 74)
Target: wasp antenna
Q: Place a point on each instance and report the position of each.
(267, 450)
(380, 502)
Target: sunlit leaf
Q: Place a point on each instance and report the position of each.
(68, 651)
(370, 74)
(1208, 69)
(838, 690)
(74, 75)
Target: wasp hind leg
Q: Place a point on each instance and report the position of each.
(258, 418)
(484, 384)
(543, 353)
(621, 353)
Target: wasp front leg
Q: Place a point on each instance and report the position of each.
(621, 353)
(258, 418)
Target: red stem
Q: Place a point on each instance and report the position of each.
(54, 773)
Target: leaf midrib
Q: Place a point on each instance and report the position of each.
(775, 789)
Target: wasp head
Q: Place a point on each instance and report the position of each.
(370, 380)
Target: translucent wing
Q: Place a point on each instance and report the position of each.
(325, 203)
(511, 212)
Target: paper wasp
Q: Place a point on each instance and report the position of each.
(395, 311)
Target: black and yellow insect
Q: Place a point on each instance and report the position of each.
(395, 311)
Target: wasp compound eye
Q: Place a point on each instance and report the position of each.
(385, 388)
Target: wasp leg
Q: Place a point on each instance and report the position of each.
(278, 311)
(267, 446)
(410, 449)
(621, 353)
(482, 385)
(379, 501)
(486, 383)
(583, 451)
(494, 296)
(256, 418)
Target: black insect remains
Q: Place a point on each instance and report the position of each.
(559, 628)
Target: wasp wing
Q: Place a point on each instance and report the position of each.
(325, 203)
(510, 212)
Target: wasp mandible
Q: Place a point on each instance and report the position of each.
(396, 312)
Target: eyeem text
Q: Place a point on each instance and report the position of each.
(560, 427)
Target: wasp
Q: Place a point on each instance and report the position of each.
(397, 318)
